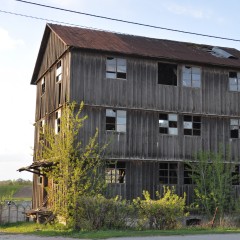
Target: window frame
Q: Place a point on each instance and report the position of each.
(114, 119)
(57, 122)
(173, 76)
(59, 71)
(169, 123)
(116, 70)
(43, 86)
(234, 127)
(167, 167)
(115, 172)
(237, 79)
(190, 127)
(191, 78)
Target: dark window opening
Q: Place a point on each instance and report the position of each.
(168, 173)
(236, 175)
(235, 128)
(115, 172)
(192, 125)
(187, 174)
(167, 74)
(59, 93)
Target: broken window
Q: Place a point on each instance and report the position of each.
(116, 120)
(168, 124)
(57, 121)
(191, 77)
(234, 81)
(115, 172)
(234, 128)
(59, 71)
(116, 68)
(168, 173)
(43, 86)
(192, 125)
(167, 74)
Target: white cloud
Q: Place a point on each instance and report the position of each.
(7, 42)
(188, 11)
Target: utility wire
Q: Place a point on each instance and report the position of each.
(129, 22)
(39, 18)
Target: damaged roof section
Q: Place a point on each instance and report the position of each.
(111, 42)
(218, 52)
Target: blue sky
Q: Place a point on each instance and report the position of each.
(20, 39)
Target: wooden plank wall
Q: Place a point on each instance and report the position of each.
(54, 49)
(144, 98)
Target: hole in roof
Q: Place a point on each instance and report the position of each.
(218, 52)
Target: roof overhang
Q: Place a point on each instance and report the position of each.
(36, 167)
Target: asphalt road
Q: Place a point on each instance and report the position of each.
(190, 237)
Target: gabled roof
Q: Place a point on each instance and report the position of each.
(96, 40)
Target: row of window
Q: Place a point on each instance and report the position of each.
(116, 120)
(168, 173)
(168, 124)
(116, 68)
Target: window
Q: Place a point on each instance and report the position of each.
(187, 173)
(41, 129)
(116, 68)
(192, 125)
(168, 173)
(116, 120)
(235, 128)
(39, 180)
(168, 124)
(167, 74)
(115, 172)
(59, 71)
(234, 81)
(191, 77)
(43, 86)
(236, 175)
(57, 121)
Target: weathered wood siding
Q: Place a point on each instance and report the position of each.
(53, 51)
(143, 99)
(141, 89)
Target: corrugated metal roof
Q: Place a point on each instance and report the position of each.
(143, 46)
(136, 45)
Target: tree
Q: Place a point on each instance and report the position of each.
(212, 176)
(76, 168)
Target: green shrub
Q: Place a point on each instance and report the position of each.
(94, 213)
(162, 213)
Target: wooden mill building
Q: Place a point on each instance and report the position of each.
(157, 102)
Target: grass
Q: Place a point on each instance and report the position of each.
(9, 190)
(59, 230)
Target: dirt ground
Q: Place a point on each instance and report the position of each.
(195, 237)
